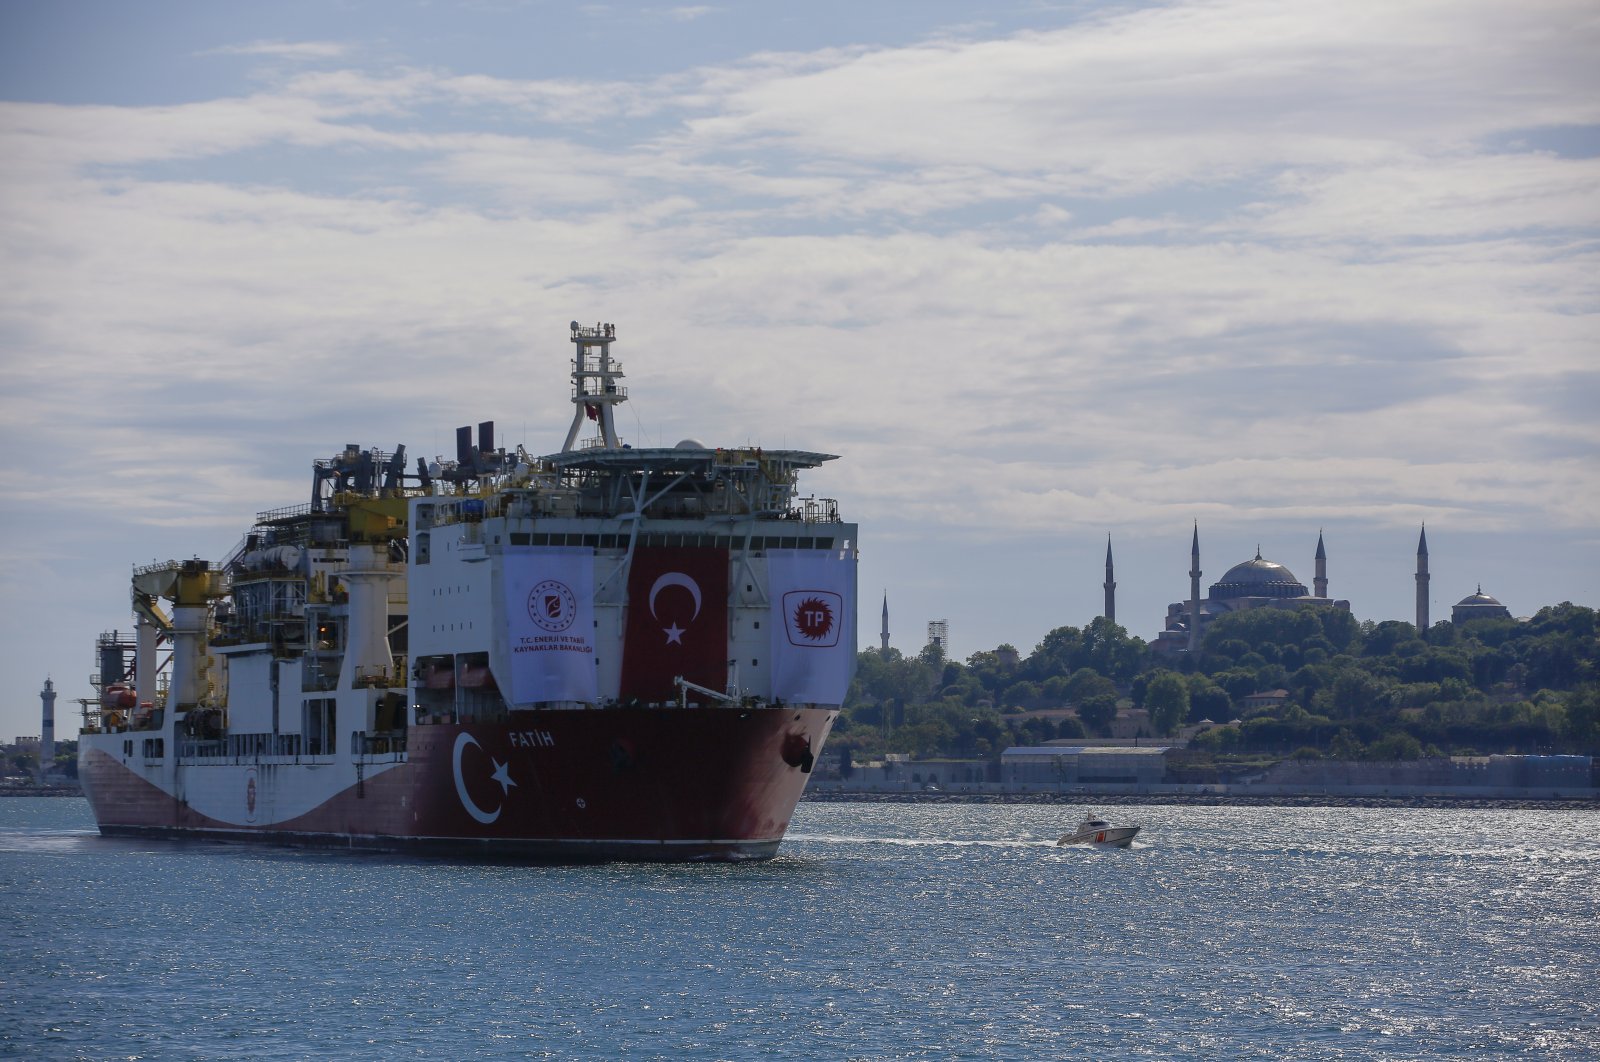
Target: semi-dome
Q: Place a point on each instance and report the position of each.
(1258, 578)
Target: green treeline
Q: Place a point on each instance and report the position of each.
(1351, 689)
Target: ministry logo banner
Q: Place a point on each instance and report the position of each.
(550, 624)
(813, 624)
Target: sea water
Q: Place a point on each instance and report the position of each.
(882, 931)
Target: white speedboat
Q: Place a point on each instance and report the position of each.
(1098, 831)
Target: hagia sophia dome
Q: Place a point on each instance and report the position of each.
(1255, 583)
(1257, 578)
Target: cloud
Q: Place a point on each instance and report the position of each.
(1437, 198)
(305, 51)
(1262, 266)
(1128, 103)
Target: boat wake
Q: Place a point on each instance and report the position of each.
(925, 842)
(44, 840)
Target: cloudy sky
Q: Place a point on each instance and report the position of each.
(1041, 272)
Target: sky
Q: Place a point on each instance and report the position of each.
(1041, 273)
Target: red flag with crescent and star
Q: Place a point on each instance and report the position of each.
(677, 622)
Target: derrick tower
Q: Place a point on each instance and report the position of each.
(595, 390)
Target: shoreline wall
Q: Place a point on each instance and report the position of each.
(843, 789)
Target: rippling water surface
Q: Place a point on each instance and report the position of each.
(882, 931)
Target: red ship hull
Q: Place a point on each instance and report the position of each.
(662, 784)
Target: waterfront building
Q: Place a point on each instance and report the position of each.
(1085, 764)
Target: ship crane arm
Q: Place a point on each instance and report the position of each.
(684, 686)
(148, 586)
(148, 608)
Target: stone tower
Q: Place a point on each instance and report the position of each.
(47, 728)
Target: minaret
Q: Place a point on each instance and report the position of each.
(1422, 581)
(1319, 582)
(1194, 591)
(885, 634)
(1110, 586)
(47, 728)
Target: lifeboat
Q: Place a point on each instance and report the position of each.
(118, 697)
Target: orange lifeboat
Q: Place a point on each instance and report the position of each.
(118, 698)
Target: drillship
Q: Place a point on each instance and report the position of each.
(609, 652)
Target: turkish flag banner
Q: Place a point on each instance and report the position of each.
(677, 622)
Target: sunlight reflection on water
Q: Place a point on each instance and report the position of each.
(880, 931)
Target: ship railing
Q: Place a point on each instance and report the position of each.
(592, 367)
(288, 512)
(236, 553)
(379, 747)
(467, 509)
(214, 749)
(816, 511)
(172, 566)
(378, 677)
(268, 748)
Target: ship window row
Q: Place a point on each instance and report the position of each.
(249, 745)
(671, 538)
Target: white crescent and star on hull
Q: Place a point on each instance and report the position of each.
(502, 774)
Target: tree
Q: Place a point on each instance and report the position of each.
(1108, 649)
(1398, 745)
(1086, 683)
(1073, 728)
(1021, 694)
(1207, 700)
(1355, 693)
(1239, 682)
(1346, 746)
(1167, 698)
(1098, 710)
(1583, 718)
(1054, 654)
(882, 676)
